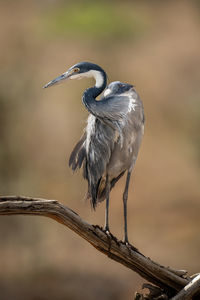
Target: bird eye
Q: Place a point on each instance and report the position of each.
(76, 70)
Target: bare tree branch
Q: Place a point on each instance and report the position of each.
(189, 290)
(169, 280)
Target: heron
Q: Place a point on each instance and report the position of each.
(111, 140)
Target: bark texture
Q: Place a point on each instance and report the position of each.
(166, 282)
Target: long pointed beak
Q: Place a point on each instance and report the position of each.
(58, 79)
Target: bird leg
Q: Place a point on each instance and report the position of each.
(107, 204)
(125, 197)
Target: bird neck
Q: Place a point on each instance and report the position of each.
(90, 94)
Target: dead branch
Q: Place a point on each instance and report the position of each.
(169, 280)
(189, 290)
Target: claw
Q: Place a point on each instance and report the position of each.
(126, 242)
(107, 231)
(109, 236)
(130, 247)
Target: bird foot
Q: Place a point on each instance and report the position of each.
(109, 236)
(125, 240)
(107, 231)
(129, 246)
(126, 243)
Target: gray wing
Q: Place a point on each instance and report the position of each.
(78, 154)
(99, 146)
(115, 107)
(93, 153)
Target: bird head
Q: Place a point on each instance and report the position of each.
(81, 70)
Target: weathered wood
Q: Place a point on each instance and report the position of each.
(189, 290)
(167, 279)
(155, 293)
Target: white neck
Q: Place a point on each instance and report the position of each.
(92, 73)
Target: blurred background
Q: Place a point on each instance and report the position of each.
(154, 45)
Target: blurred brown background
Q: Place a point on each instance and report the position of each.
(156, 46)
